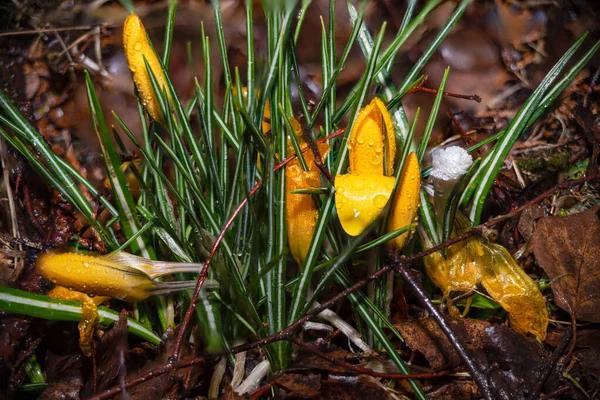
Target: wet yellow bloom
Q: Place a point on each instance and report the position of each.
(474, 261)
(117, 275)
(362, 194)
(301, 212)
(137, 47)
(94, 279)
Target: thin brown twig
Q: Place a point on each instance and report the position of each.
(468, 139)
(478, 374)
(286, 333)
(556, 393)
(47, 30)
(473, 97)
(366, 371)
(552, 362)
(306, 133)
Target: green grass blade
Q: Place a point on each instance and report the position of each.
(20, 302)
(495, 159)
(432, 117)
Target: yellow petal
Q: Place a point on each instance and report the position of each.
(266, 121)
(406, 203)
(135, 43)
(89, 315)
(359, 199)
(366, 143)
(388, 125)
(301, 212)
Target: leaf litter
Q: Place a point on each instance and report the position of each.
(568, 249)
(513, 359)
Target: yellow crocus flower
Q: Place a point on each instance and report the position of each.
(137, 47)
(93, 279)
(118, 275)
(301, 212)
(362, 194)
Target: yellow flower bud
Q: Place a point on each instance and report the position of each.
(301, 212)
(406, 203)
(137, 47)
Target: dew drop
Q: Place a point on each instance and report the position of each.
(371, 143)
(360, 139)
(380, 200)
(138, 46)
(360, 185)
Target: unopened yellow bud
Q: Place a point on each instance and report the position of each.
(137, 48)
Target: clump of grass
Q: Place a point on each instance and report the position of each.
(216, 169)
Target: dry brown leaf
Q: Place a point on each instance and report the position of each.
(568, 249)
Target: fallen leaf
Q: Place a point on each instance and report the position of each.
(111, 352)
(360, 387)
(515, 362)
(455, 390)
(308, 361)
(64, 377)
(527, 220)
(304, 385)
(568, 249)
(425, 337)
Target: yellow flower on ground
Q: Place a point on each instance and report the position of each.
(362, 194)
(119, 275)
(301, 212)
(474, 261)
(93, 279)
(137, 48)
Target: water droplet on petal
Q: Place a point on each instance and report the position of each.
(138, 46)
(360, 139)
(380, 200)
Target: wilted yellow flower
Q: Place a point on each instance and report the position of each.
(301, 212)
(474, 261)
(362, 194)
(137, 47)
